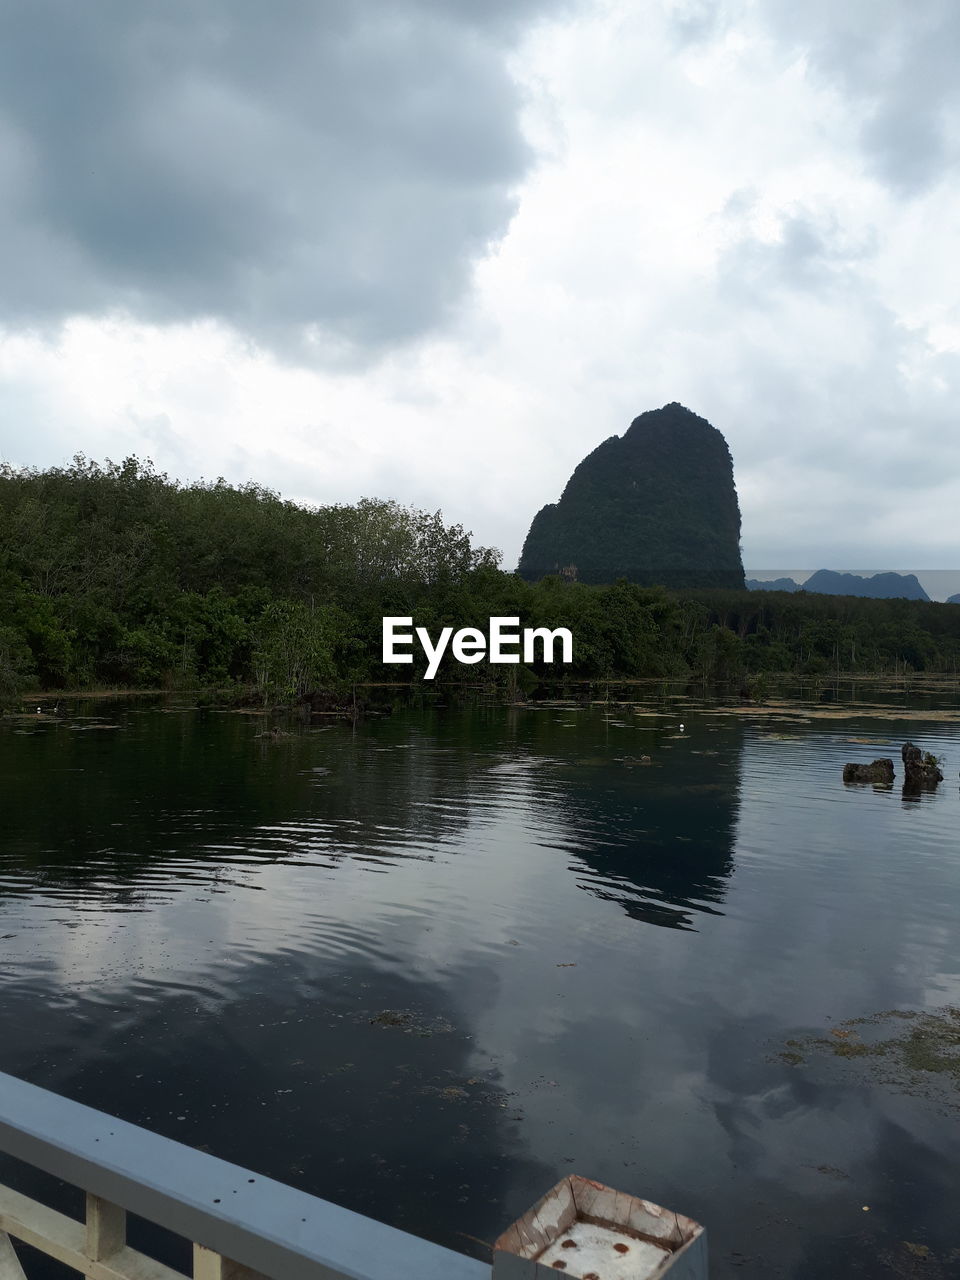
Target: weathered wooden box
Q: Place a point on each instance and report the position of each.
(586, 1230)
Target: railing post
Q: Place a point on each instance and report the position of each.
(10, 1268)
(106, 1232)
(208, 1265)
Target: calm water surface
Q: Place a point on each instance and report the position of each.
(427, 965)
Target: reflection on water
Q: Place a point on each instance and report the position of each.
(426, 966)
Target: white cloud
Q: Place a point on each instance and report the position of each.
(715, 217)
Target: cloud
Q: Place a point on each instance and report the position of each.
(328, 169)
(692, 208)
(895, 63)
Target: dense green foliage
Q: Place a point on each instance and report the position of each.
(657, 505)
(117, 576)
(815, 634)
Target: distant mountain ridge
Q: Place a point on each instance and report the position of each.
(880, 586)
(828, 582)
(656, 505)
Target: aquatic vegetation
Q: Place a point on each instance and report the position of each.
(923, 1050)
(410, 1023)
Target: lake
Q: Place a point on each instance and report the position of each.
(429, 963)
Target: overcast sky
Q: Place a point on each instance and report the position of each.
(437, 250)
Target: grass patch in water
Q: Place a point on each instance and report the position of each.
(933, 1044)
(923, 1053)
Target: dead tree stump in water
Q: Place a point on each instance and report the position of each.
(876, 771)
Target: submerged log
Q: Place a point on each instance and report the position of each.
(876, 771)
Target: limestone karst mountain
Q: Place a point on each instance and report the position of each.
(878, 586)
(829, 582)
(655, 505)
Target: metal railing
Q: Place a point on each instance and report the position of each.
(242, 1226)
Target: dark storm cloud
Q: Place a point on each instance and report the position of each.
(278, 165)
(896, 61)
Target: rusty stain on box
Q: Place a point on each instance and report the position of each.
(586, 1230)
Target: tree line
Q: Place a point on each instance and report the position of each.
(114, 575)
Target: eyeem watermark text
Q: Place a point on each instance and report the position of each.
(505, 643)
